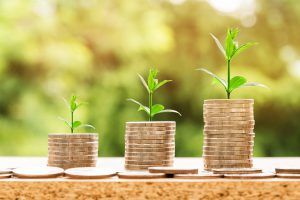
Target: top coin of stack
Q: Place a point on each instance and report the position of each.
(72, 150)
(228, 133)
(149, 144)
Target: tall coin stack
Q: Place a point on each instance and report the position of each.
(149, 144)
(228, 133)
(73, 150)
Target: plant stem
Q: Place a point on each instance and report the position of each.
(72, 119)
(228, 79)
(150, 106)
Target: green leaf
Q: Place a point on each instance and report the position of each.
(142, 107)
(244, 47)
(231, 45)
(73, 103)
(219, 44)
(152, 81)
(76, 124)
(161, 84)
(236, 82)
(156, 109)
(144, 82)
(220, 80)
(170, 111)
(254, 84)
(65, 121)
(87, 125)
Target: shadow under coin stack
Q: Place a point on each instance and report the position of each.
(228, 133)
(72, 150)
(149, 144)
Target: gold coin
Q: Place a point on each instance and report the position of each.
(229, 123)
(227, 162)
(173, 170)
(73, 136)
(86, 144)
(228, 118)
(3, 176)
(146, 158)
(228, 153)
(279, 175)
(149, 141)
(137, 162)
(223, 148)
(288, 170)
(228, 114)
(250, 176)
(228, 144)
(142, 133)
(150, 128)
(151, 124)
(150, 137)
(149, 149)
(229, 127)
(227, 110)
(237, 171)
(150, 145)
(228, 101)
(141, 167)
(165, 153)
(201, 175)
(229, 139)
(226, 157)
(240, 105)
(210, 167)
(38, 172)
(75, 157)
(140, 175)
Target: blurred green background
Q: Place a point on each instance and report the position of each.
(51, 49)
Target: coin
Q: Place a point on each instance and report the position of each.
(89, 173)
(152, 123)
(228, 144)
(229, 123)
(141, 167)
(228, 139)
(73, 136)
(228, 118)
(165, 153)
(5, 171)
(173, 170)
(227, 162)
(140, 175)
(228, 101)
(237, 171)
(226, 110)
(152, 133)
(3, 176)
(86, 144)
(250, 176)
(229, 127)
(289, 170)
(149, 141)
(38, 172)
(222, 106)
(228, 153)
(225, 157)
(71, 153)
(206, 166)
(150, 145)
(282, 175)
(150, 128)
(224, 148)
(145, 158)
(228, 114)
(153, 162)
(171, 149)
(150, 137)
(200, 175)
(71, 165)
(84, 157)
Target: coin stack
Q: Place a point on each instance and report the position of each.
(72, 150)
(228, 133)
(149, 144)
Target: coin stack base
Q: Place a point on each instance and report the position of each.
(149, 144)
(73, 150)
(228, 133)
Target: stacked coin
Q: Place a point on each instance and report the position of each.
(149, 144)
(228, 133)
(72, 150)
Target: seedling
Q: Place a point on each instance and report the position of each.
(151, 86)
(73, 105)
(231, 49)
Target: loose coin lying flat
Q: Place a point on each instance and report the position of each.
(38, 172)
(5, 171)
(89, 173)
(3, 176)
(250, 176)
(281, 175)
(142, 167)
(140, 175)
(173, 170)
(200, 175)
(237, 171)
(288, 170)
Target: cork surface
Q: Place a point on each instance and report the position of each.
(167, 188)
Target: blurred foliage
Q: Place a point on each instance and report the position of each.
(51, 49)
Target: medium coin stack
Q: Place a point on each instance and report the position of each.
(149, 144)
(228, 133)
(73, 150)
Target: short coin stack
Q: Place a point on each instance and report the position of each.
(228, 133)
(149, 144)
(72, 150)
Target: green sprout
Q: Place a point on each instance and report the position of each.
(231, 49)
(152, 85)
(73, 105)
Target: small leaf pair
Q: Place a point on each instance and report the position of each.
(73, 105)
(151, 86)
